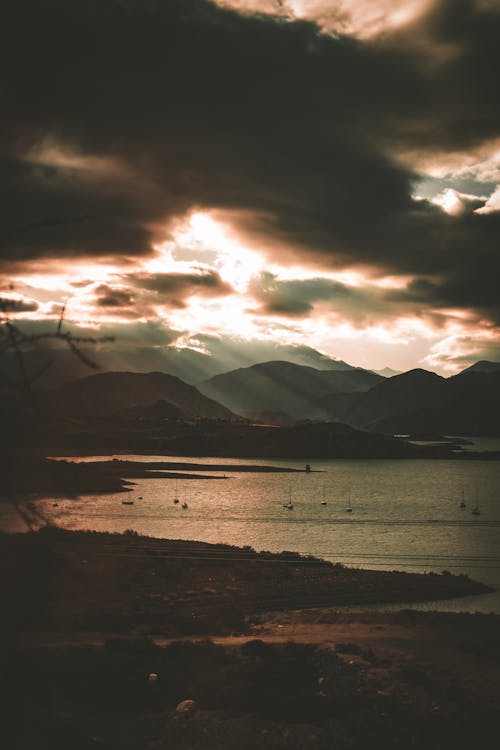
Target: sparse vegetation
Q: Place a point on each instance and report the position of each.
(264, 696)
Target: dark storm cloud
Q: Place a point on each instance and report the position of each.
(371, 304)
(477, 290)
(360, 305)
(297, 297)
(138, 294)
(294, 130)
(173, 288)
(106, 296)
(8, 305)
(64, 211)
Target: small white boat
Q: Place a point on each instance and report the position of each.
(348, 508)
(184, 505)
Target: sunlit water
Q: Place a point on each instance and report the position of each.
(405, 516)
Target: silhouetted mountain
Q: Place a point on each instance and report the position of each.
(465, 404)
(333, 407)
(115, 393)
(159, 410)
(397, 396)
(283, 386)
(483, 366)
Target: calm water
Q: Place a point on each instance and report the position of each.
(406, 514)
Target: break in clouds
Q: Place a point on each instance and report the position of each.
(347, 160)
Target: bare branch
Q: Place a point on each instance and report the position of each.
(61, 318)
(12, 338)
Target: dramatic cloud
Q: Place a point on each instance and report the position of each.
(300, 297)
(15, 305)
(173, 288)
(106, 296)
(358, 17)
(334, 137)
(457, 351)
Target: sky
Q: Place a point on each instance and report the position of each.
(256, 176)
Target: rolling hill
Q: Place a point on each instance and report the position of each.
(122, 393)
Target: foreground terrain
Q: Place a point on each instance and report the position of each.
(88, 586)
(402, 681)
(120, 641)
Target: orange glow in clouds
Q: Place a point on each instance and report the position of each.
(201, 245)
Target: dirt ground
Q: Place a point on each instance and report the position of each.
(105, 637)
(315, 679)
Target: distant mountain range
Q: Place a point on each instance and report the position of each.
(58, 366)
(282, 393)
(417, 401)
(464, 404)
(283, 387)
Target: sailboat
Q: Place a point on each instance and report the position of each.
(462, 502)
(289, 504)
(348, 507)
(475, 510)
(176, 499)
(323, 502)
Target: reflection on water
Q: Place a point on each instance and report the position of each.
(406, 514)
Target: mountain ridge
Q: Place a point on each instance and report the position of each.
(111, 393)
(280, 386)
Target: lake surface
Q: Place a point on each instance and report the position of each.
(406, 514)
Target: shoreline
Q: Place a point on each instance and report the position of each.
(431, 453)
(47, 477)
(132, 584)
(122, 641)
